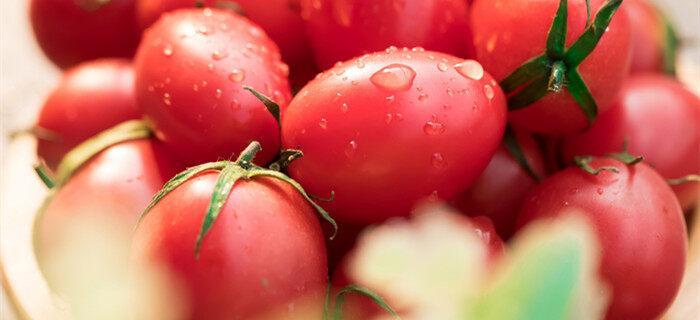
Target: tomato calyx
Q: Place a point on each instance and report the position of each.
(337, 313)
(515, 150)
(229, 173)
(557, 68)
(670, 46)
(584, 162)
(683, 180)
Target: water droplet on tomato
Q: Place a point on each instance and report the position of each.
(394, 77)
(167, 99)
(235, 104)
(351, 149)
(600, 191)
(438, 161)
(488, 91)
(218, 55)
(323, 123)
(237, 75)
(359, 63)
(389, 118)
(470, 69)
(418, 49)
(434, 126)
(391, 49)
(422, 97)
(168, 50)
(344, 107)
(195, 87)
(442, 66)
(218, 93)
(390, 99)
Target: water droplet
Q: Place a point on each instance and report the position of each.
(354, 82)
(450, 92)
(218, 55)
(218, 93)
(202, 29)
(235, 104)
(167, 99)
(438, 161)
(195, 87)
(491, 42)
(422, 97)
(418, 49)
(470, 69)
(337, 97)
(600, 191)
(207, 12)
(168, 50)
(351, 149)
(283, 68)
(488, 91)
(237, 75)
(344, 107)
(359, 63)
(391, 49)
(210, 67)
(255, 32)
(323, 123)
(390, 99)
(434, 126)
(442, 66)
(389, 118)
(394, 77)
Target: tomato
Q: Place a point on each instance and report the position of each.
(508, 34)
(651, 37)
(90, 98)
(660, 120)
(358, 307)
(112, 187)
(257, 256)
(639, 224)
(504, 184)
(190, 71)
(386, 130)
(340, 30)
(281, 20)
(73, 31)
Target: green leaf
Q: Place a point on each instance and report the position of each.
(579, 90)
(178, 180)
(534, 68)
(281, 176)
(353, 288)
(683, 180)
(556, 39)
(585, 44)
(584, 162)
(222, 189)
(271, 106)
(511, 144)
(626, 158)
(76, 158)
(534, 91)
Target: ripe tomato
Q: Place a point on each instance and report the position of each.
(507, 34)
(660, 120)
(283, 24)
(640, 225)
(91, 98)
(502, 187)
(388, 129)
(258, 255)
(73, 31)
(114, 186)
(651, 39)
(340, 30)
(190, 69)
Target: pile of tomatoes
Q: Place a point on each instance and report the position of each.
(207, 126)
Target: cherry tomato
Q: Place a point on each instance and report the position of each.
(340, 30)
(113, 187)
(650, 38)
(283, 24)
(389, 129)
(190, 71)
(508, 34)
(660, 120)
(502, 187)
(73, 31)
(90, 98)
(258, 255)
(640, 227)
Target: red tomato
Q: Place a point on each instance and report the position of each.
(386, 130)
(257, 256)
(281, 20)
(660, 120)
(90, 98)
(340, 30)
(502, 187)
(640, 226)
(507, 34)
(649, 37)
(190, 71)
(114, 186)
(73, 31)
(359, 307)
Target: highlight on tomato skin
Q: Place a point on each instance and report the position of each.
(372, 127)
(626, 204)
(656, 117)
(90, 98)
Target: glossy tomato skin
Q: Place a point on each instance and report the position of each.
(503, 186)
(113, 187)
(507, 34)
(389, 129)
(281, 20)
(70, 31)
(640, 227)
(340, 30)
(259, 255)
(190, 71)
(90, 98)
(660, 120)
(648, 36)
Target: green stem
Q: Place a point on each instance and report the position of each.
(245, 159)
(45, 175)
(556, 77)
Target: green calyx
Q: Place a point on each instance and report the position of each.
(670, 46)
(584, 162)
(513, 147)
(557, 68)
(229, 173)
(337, 313)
